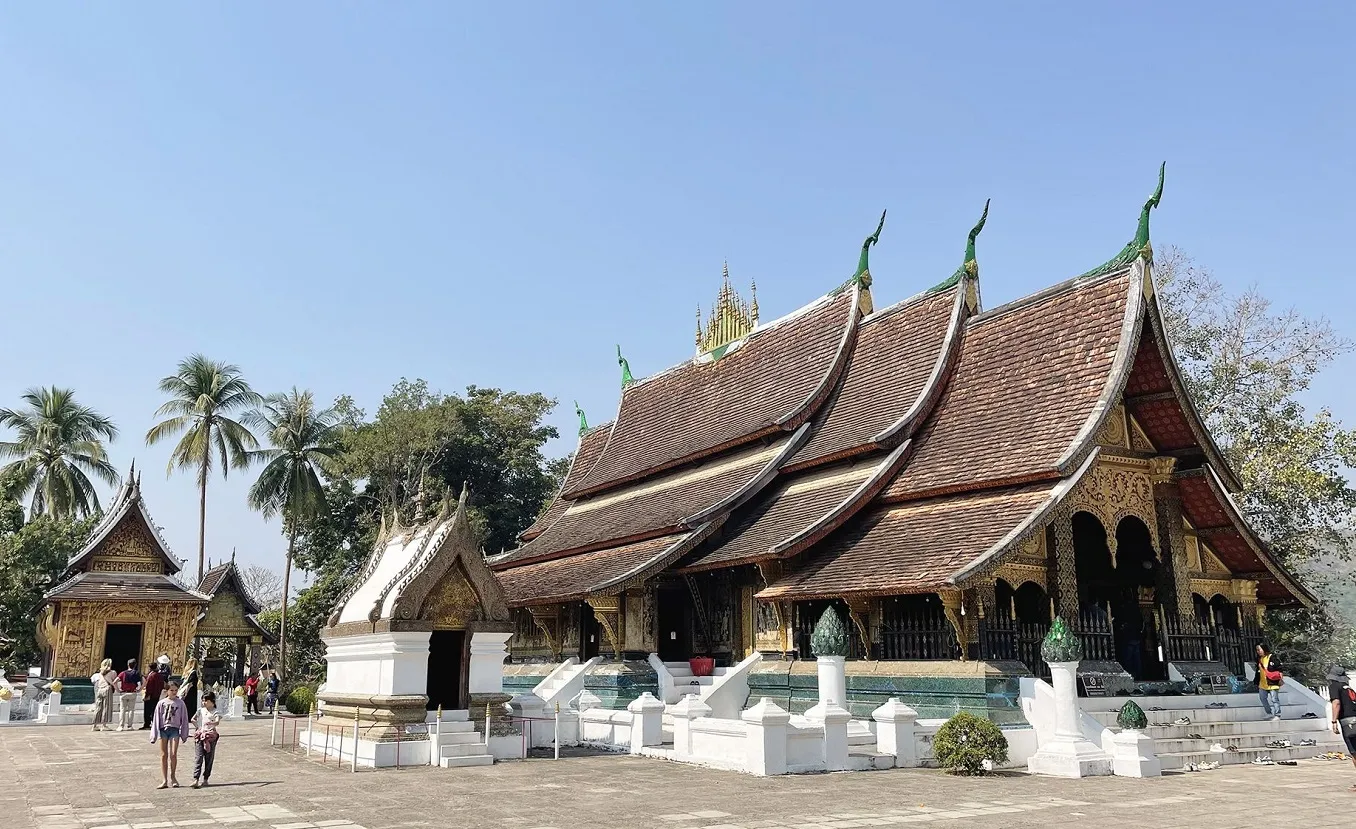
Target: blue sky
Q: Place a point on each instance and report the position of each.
(336, 195)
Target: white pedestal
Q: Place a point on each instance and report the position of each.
(1068, 754)
(485, 674)
(765, 738)
(378, 664)
(647, 721)
(236, 710)
(4, 711)
(689, 708)
(835, 718)
(896, 724)
(1134, 755)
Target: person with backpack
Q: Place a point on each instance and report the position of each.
(151, 690)
(1343, 709)
(104, 681)
(1269, 681)
(129, 682)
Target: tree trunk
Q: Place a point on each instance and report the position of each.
(282, 620)
(202, 505)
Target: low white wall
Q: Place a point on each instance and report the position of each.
(371, 754)
(719, 740)
(605, 728)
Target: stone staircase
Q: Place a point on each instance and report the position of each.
(1242, 725)
(565, 682)
(459, 743)
(685, 683)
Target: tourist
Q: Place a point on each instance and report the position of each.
(207, 720)
(103, 682)
(189, 690)
(151, 689)
(271, 700)
(1343, 698)
(1269, 681)
(169, 729)
(252, 694)
(129, 682)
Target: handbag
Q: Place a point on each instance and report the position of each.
(1348, 727)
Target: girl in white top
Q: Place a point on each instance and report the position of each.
(206, 719)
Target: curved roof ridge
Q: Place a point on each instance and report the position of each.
(1045, 293)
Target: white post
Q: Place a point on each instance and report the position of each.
(835, 718)
(765, 738)
(4, 710)
(435, 739)
(487, 724)
(896, 724)
(1067, 754)
(832, 686)
(355, 743)
(689, 708)
(485, 673)
(647, 721)
(236, 711)
(1134, 754)
(273, 729)
(310, 729)
(557, 731)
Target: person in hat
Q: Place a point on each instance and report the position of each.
(1343, 698)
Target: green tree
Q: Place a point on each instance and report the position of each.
(302, 441)
(203, 395)
(1248, 364)
(32, 559)
(59, 445)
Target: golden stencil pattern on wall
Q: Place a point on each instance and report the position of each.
(225, 617)
(167, 628)
(129, 548)
(452, 603)
(1113, 490)
(1113, 432)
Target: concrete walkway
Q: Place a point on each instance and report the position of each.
(69, 778)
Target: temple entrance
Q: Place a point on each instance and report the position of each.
(590, 633)
(445, 656)
(1132, 608)
(673, 611)
(121, 643)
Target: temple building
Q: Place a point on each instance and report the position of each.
(227, 632)
(949, 477)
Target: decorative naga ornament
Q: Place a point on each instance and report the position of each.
(1132, 716)
(583, 421)
(731, 318)
(627, 379)
(970, 265)
(830, 637)
(863, 275)
(1061, 644)
(1138, 246)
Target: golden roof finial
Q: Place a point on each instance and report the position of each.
(731, 318)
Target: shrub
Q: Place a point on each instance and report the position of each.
(299, 700)
(965, 741)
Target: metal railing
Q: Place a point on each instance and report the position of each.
(917, 632)
(1005, 638)
(1093, 628)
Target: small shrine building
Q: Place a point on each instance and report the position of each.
(228, 633)
(950, 477)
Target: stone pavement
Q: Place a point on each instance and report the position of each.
(70, 778)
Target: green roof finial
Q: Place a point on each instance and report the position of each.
(830, 637)
(1061, 644)
(627, 379)
(583, 421)
(1139, 246)
(971, 264)
(863, 274)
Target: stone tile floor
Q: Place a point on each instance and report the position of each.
(71, 778)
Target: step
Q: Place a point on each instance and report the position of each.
(462, 750)
(1175, 745)
(1201, 715)
(1177, 760)
(460, 738)
(458, 762)
(1306, 728)
(455, 727)
(865, 760)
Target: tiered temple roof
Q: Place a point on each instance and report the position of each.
(882, 452)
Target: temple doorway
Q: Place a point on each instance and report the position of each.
(121, 643)
(673, 612)
(445, 658)
(590, 633)
(1132, 605)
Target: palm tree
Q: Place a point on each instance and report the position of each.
(303, 441)
(203, 393)
(59, 445)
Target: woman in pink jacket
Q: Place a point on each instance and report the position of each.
(169, 727)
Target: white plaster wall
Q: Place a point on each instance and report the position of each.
(719, 740)
(378, 664)
(804, 748)
(605, 728)
(371, 754)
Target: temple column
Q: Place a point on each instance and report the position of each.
(607, 610)
(1065, 577)
(547, 620)
(1175, 587)
(953, 604)
(860, 612)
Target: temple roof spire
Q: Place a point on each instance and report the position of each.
(627, 379)
(583, 421)
(731, 318)
(1139, 246)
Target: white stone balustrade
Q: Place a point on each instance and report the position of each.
(647, 721)
(896, 732)
(689, 708)
(765, 738)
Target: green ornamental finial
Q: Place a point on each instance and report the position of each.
(1061, 644)
(1139, 246)
(627, 379)
(970, 265)
(863, 274)
(830, 637)
(1132, 716)
(583, 421)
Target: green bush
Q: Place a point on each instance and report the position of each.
(300, 700)
(965, 741)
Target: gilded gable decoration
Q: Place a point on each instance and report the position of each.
(731, 318)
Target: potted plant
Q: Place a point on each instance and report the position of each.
(702, 665)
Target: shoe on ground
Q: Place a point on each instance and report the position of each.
(1275, 717)
(1286, 763)
(1263, 761)
(195, 785)
(1218, 705)
(119, 728)
(1182, 721)
(1217, 748)
(1309, 715)
(1232, 749)
(1195, 737)
(1308, 742)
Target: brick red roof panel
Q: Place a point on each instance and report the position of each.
(890, 365)
(1027, 380)
(590, 447)
(573, 577)
(122, 587)
(702, 405)
(909, 548)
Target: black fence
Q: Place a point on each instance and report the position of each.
(1005, 638)
(1094, 629)
(917, 631)
(807, 616)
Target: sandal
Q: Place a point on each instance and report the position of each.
(163, 786)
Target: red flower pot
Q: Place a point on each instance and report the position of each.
(702, 665)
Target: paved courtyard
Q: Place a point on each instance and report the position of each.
(70, 778)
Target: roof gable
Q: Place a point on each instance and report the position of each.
(126, 539)
(225, 578)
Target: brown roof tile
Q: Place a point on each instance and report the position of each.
(790, 507)
(909, 548)
(122, 587)
(574, 577)
(660, 504)
(1029, 377)
(590, 447)
(771, 381)
(893, 358)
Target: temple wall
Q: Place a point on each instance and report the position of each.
(76, 632)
